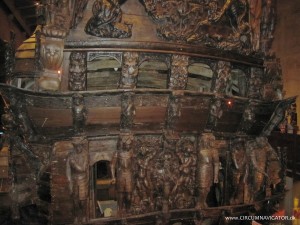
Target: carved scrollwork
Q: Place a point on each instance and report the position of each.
(106, 21)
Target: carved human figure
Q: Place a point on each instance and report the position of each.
(122, 174)
(208, 167)
(188, 162)
(240, 172)
(129, 70)
(77, 174)
(106, 20)
(258, 157)
(143, 181)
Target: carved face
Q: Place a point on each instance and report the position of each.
(52, 56)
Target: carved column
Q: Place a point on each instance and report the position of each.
(129, 70)
(179, 72)
(78, 71)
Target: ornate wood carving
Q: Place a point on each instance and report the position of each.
(77, 171)
(207, 167)
(121, 165)
(107, 21)
(215, 114)
(174, 107)
(223, 76)
(79, 8)
(77, 71)
(179, 72)
(255, 83)
(79, 113)
(130, 70)
(127, 111)
(191, 22)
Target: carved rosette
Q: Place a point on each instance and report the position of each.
(130, 70)
(127, 111)
(106, 21)
(179, 72)
(77, 71)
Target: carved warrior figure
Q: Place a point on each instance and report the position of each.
(121, 165)
(77, 71)
(208, 167)
(240, 172)
(77, 174)
(106, 20)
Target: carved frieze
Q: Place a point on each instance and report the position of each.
(77, 71)
(106, 21)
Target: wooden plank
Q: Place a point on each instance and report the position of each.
(105, 115)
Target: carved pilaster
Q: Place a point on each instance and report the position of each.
(174, 107)
(79, 113)
(179, 72)
(255, 83)
(127, 111)
(129, 70)
(222, 77)
(77, 71)
(215, 113)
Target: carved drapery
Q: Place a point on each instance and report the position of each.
(77, 71)
(107, 21)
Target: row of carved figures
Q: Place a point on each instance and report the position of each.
(185, 174)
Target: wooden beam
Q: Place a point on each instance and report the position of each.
(18, 16)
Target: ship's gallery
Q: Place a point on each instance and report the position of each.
(145, 112)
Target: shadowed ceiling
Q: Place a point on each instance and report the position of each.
(23, 12)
